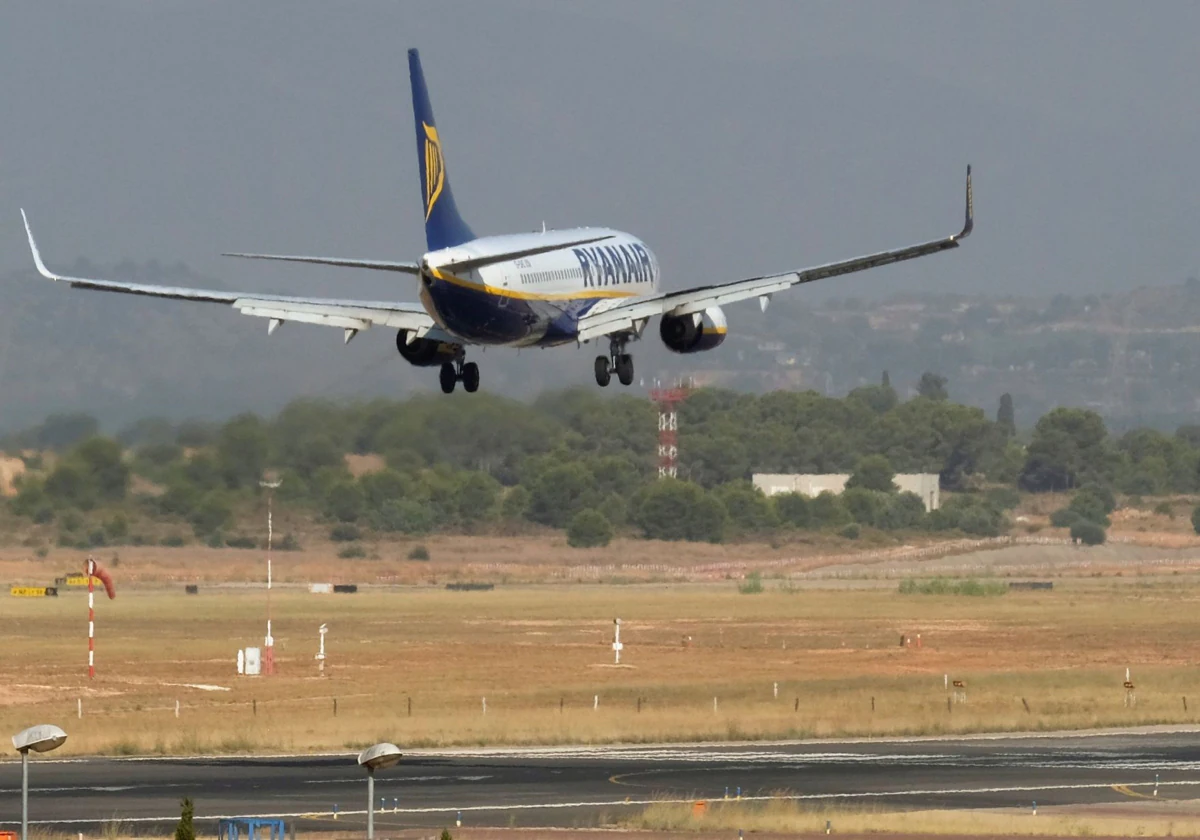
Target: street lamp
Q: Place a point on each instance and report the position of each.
(41, 738)
(378, 757)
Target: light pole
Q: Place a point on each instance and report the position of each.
(271, 483)
(41, 738)
(378, 757)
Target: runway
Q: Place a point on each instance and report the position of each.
(574, 786)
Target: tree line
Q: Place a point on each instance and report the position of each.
(575, 460)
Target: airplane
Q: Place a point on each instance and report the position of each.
(542, 289)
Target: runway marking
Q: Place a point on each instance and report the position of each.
(1126, 790)
(636, 802)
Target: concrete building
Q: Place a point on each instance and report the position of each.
(925, 485)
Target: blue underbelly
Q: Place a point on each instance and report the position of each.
(487, 317)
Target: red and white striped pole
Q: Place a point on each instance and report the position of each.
(91, 573)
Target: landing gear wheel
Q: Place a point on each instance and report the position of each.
(602, 372)
(447, 377)
(470, 377)
(624, 368)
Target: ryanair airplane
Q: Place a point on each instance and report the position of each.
(519, 290)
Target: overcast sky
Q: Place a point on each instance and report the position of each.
(736, 138)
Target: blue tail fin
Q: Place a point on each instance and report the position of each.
(443, 226)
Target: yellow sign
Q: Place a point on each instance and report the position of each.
(81, 580)
(32, 591)
(435, 168)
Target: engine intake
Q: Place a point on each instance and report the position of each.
(425, 352)
(682, 333)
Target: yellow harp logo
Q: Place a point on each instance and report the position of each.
(435, 169)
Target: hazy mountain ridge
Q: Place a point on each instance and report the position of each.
(1130, 356)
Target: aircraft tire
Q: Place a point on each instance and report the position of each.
(625, 369)
(470, 377)
(447, 378)
(603, 374)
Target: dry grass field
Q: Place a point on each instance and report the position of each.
(540, 655)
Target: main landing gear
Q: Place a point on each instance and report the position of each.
(459, 371)
(617, 361)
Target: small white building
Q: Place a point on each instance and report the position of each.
(925, 485)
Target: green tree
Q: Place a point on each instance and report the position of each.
(863, 504)
(589, 528)
(827, 511)
(345, 501)
(748, 509)
(1093, 503)
(1088, 532)
(1068, 448)
(1196, 519)
(874, 472)
(670, 509)
(561, 492)
(932, 386)
(1006, 417)
(211, 513)
(100, 460)
(187, 812)
(515, 504)
(792, 509)
(900, 511)
(242, 451)
(478, 494)
(405, 516)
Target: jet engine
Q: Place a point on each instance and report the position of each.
(693, 333)
(424, 352)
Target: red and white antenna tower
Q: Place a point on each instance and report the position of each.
(668, 400)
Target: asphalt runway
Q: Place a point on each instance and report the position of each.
(576, 786)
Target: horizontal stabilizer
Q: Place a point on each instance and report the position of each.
(378, 265)
(472, 263)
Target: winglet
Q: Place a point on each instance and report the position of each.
(37, 257)
(969, 223)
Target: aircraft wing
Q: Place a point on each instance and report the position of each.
(630, 315)
(352, 316)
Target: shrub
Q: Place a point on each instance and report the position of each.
(589, 529)
(289, 543)
(851, 531)
(874, 472)
(1003, 498)
(96, 538)
(354, 550)
(1088, 533)
(174, 541)
(184, 830)
(242, 541)
(1064, 518)
(1196, 519)
(418, 552)
(752, 585)
(1164, 509)
(215, 540)
(344, 532)
(1094, 502)
(792, 509)
(211, 514)
(944, 586)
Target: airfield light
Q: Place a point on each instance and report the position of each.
(271, 483)
(378, 757)
(42, 738)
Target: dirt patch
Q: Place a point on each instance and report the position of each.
(360, 465)
(10, 470)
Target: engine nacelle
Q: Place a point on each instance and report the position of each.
(692, 334)
(425, 352)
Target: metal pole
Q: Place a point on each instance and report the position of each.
(370, 804)
(24, 794)
(269, 664)
(91, 571)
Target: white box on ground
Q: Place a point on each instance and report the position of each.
(253, 661)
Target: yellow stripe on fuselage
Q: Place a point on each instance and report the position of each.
(590, 294)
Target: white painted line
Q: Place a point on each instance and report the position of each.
(615, 803)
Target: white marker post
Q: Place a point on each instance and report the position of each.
(321, 651)
(616, 645)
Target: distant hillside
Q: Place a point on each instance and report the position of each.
(1132, 357)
